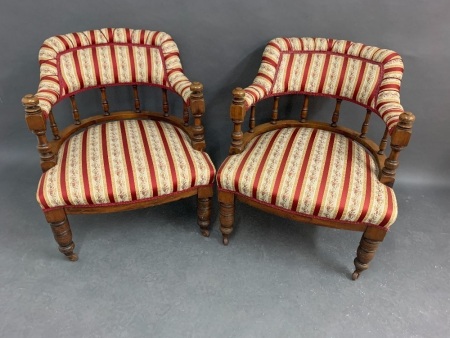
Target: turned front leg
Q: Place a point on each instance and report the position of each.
(226, 214)
(204, 201)
(370, 241)
(62, 233)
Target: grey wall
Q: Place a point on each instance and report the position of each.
(221, 44)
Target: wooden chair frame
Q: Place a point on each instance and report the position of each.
(48, 150)
(399, 139)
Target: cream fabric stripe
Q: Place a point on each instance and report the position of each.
(96, 167)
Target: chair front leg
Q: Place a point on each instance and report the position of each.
(226, 212)
(370, 241)
(204, 201)
(62, 233)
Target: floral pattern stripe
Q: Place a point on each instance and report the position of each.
(311, 172)
(121, 162)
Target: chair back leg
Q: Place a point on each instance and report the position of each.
(62, 233)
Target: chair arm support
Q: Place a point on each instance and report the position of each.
(237, 115)
(37, 124)
(197, 105)
(399, 140)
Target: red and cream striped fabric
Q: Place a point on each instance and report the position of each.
(311, 172)
(111, 56)
(122, 162)
(366, 75)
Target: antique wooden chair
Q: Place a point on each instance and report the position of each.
(118, 160)
(318, 172)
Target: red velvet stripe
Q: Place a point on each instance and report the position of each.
(149, 65)
(188, 156)
(324, 73)
(359, 81)
(281, 171)
(77, 40)
(96, 66)
(242, 164)
(50, 78)
(63, 40)
(366, 205)
(42, 199)
(84, 166)
(114, 63)
(132, 64)
(93, 39)
(62, 177)
(262, 161)
(107, 172)
(110, 35)
(126, 153)
(306, 72)
(330, 44)
(390, 207)
(142, 37)
(266, 77)
(342, 76)
(390, 57)
(153, 43)
(151, 165)
(78, 69)
(288, 74)
(288, 43)
(393, 69)
(348, 171)
(348, 44)
(270, 61)
(326, 170)
(274, 45)
(169, 156)
(390, 86)
(128, 35)
(301, 177)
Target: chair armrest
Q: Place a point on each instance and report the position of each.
(399, 139)
(37, 123)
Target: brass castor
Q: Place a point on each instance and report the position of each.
(355, 275)
(205, 232)
(73, 257)
(225, 239)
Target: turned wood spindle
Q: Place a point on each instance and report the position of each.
(53, 126)
(137, 102)
(105, 103)
(304, 112)
(252, 120)
(197, 109)
(37, 124)
(75, 114)
(365, 126)
(399, 140)
(165, 102)
(237, 113)
(276, 101)
(337, 108)
(185, 114)
(383, 142)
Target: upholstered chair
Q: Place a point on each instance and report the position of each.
(311, 171)
(116, 160)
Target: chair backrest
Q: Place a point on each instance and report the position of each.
(366, 75)
(76, 62)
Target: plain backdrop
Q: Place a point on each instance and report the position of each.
(221, 43)
(149, 272)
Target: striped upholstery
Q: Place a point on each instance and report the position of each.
(74, 62)
(366, 75)
(311, 172)
(122, 162)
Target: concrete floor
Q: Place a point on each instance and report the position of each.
(149, 273)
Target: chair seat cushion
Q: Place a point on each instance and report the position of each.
(122, 162)
(311, 172)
